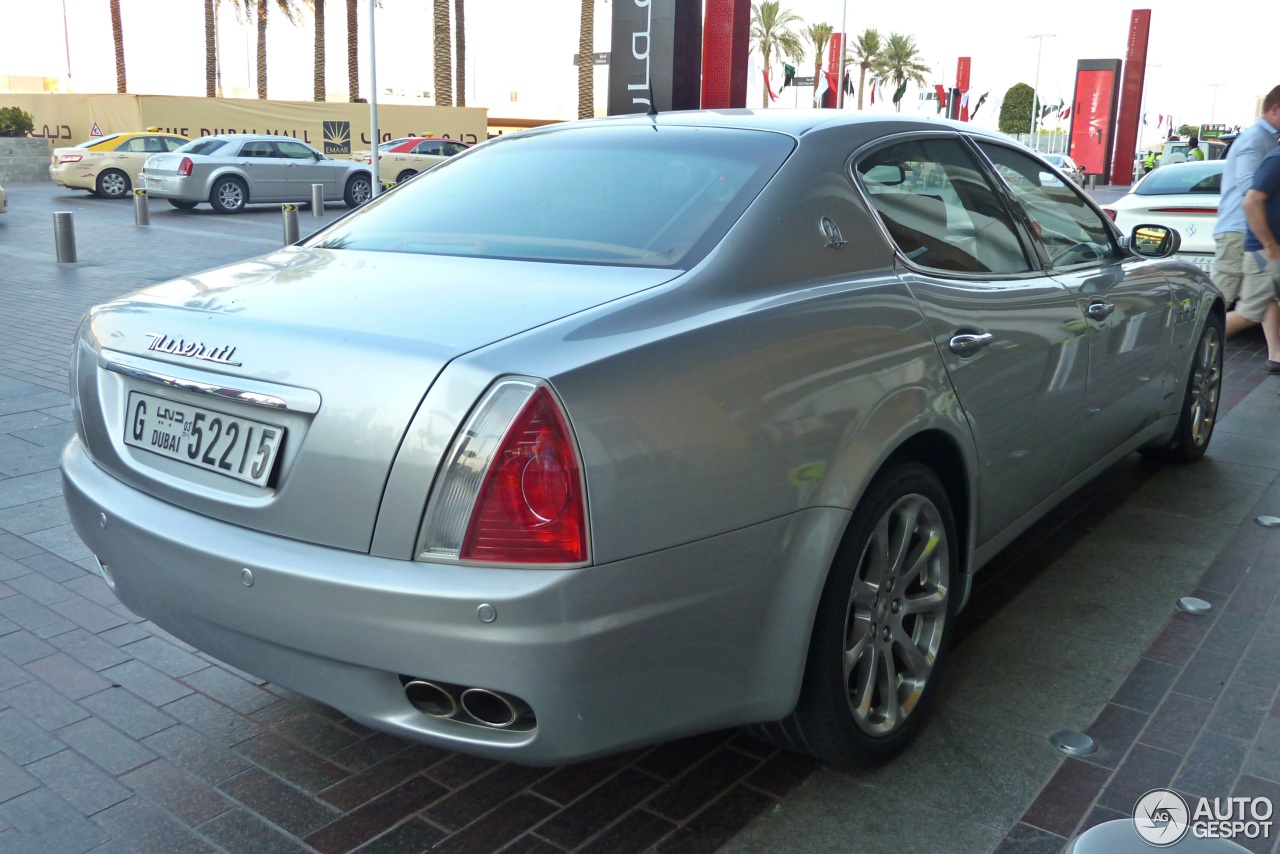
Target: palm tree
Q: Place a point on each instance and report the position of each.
(353, 53)
(117, 33)
(770, 30)
(210, 49)
(443, 52)
(818, 36)
(866, 52)
(460, 53)
(318, 87)
(259, 8)
(898, 63)
(586, 60)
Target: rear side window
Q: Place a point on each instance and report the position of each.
(1173, 180)
(940, 209)
(203, 146)
(173, 143)
(654, 196)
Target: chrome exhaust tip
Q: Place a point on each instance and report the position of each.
(491, 708)
(430, 699)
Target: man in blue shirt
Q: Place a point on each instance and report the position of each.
(1243, 160)
(1261, 244)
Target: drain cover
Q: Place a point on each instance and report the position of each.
(1073, 743)
(1192, 605)
(1268, 521)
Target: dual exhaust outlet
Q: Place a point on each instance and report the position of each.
(469, 705)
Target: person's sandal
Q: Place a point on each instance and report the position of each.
(1273, 367)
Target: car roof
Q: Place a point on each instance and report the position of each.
(795, 122)
(243, 137)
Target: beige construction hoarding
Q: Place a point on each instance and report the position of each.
(336, 129)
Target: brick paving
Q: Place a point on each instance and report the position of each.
(115, 736)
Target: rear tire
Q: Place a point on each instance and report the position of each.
(1199, 403)
(882, 626)
(113, 184)
(181, 205)
(229, 196)
(405, 176)
(359, 190)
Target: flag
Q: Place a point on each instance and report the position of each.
(942, 96)
(850, 88)
(788, 75)
(974, 113)
(873, 91)
(1144, 119)
(767, 87)
(964, 106)
(1160, 123)
(899, 92)
(820, 89)
(1065, 114)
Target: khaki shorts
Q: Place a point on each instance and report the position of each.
(1228, 260)
(1261, 285)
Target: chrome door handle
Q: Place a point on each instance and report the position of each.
(1099, 310)
(969, 343)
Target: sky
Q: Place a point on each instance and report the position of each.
(1207, 61)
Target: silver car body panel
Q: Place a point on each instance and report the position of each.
(729, 418)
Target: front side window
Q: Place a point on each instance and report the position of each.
(1072, 233)
(940, 209)
(654, 196)
(295, 151)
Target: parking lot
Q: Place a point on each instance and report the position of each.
(116, 736)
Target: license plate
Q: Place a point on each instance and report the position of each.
(205, 438)
(1204, 262)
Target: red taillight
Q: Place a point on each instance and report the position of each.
(1111, 214)
(184, 168)
(70, 158)
(530, 507)
(1206, 211)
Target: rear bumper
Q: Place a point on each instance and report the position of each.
(183, 189)
(689, 639)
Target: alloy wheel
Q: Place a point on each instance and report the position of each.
(896, 615)
(1206, 384)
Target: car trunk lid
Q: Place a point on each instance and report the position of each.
(334, 349)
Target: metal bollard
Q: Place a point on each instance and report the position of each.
(1093, 181)
(290, 224)
(317, 199)
(141, 212)
(64, 236)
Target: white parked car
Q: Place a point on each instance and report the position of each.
(1182, 196)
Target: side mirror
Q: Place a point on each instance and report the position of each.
(1154, 241)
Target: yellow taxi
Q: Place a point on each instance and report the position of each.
(109, 166)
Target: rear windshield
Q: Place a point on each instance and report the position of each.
(89, 142)
(203, 146)
(636, 195)
(1176, 179)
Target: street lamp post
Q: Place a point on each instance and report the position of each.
(1214, 108)
(1035, 94)
(844, 49)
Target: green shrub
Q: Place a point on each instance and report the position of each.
(15, 121)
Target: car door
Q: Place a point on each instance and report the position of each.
(307, 167)
(1011, 337)
(1125, 300)
(266, 170)
(129, 155)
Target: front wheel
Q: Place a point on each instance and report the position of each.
(1199, 403)
(113, 184)
(359, 190)
(880, 634)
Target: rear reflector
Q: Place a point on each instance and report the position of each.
(1213, 211)
(511, 491)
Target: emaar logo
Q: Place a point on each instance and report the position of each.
(337, 137)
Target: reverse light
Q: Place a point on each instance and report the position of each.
(70, 158)
(511, 490)
(184, 168)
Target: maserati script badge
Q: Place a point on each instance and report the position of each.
(191, 349)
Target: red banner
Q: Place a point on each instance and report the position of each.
(1094, 114)
(1135, 67)
(962, 74)
(725, 44)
